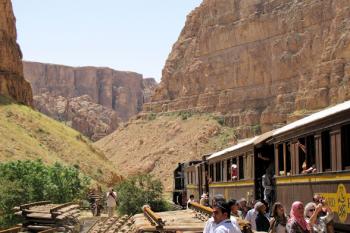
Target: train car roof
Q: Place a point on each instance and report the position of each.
(252, 141)
(233, 148)
(313, 117)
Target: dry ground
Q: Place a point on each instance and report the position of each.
(157, 143)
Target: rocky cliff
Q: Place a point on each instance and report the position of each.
(149, 86)
(12, 82)
(90, 99)
(258, 62)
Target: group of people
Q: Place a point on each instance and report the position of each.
(315, 217)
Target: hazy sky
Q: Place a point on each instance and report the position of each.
(130, 35)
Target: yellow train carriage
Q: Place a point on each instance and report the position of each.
(312, 155)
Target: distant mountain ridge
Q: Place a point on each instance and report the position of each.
(109, 96)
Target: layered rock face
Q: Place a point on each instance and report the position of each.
(12, 82)
(92, 100)
(149, 86)
(258, 62)
(81, 113)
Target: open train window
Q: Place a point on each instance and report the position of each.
(326, 151)
(234, 169)
(302, 153)
(218, 171)
(288, 160)
(280, 160)
(345, 147)
(228, 169)
(211, 173)
(241, 167)
(310, 152)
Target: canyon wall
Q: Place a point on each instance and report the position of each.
(12, 83)
(92, 100)
(259, 63)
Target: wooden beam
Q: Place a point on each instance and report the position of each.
(11, 230)
(27, 206)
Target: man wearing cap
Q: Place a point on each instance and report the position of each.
(220, 221)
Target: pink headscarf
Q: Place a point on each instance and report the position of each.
(299, 218)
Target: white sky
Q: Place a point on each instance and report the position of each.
(129, 35)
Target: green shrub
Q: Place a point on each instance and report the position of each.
(140, 190)
(29, 181)
(152, 116)
(185, 115)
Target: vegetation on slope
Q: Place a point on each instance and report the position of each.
(28, 134)
(29, 181)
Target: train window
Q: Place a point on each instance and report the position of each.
(302, 155)
(310, 152)
(288, 160)
(280, 160)
(234, 169)
(326, 151)
(241, 167)
(345, 147)
(228, 169)
(218, 171)
(211, 173)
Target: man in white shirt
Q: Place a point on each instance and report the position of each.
(251, 215)
(111, 202)
(220, 222)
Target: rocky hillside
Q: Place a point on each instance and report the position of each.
(12, 82)
(259, 63)
(90, 99)
(28, 134)
(157, 143)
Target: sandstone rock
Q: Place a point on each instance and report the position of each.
(149, 85)
(12, 82)
(91, 119)
(108, 96)
(258, 62)
(117, 90)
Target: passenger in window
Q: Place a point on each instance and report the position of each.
(318, 222)
(306, 170)
(234, 172)
(279, 219)
(297, 222)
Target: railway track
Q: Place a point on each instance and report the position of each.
(112, 225)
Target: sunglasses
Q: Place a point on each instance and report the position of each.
(312, 210)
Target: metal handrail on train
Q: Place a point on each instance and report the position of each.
(201, 208)
(154, 218)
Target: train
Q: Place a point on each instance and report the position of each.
(306, 157)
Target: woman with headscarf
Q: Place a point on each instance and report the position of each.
(297, 222)
(279, 219)
(313, 215)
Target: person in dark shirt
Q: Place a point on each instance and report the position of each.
(262, 223)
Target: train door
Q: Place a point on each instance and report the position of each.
(264, 165)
